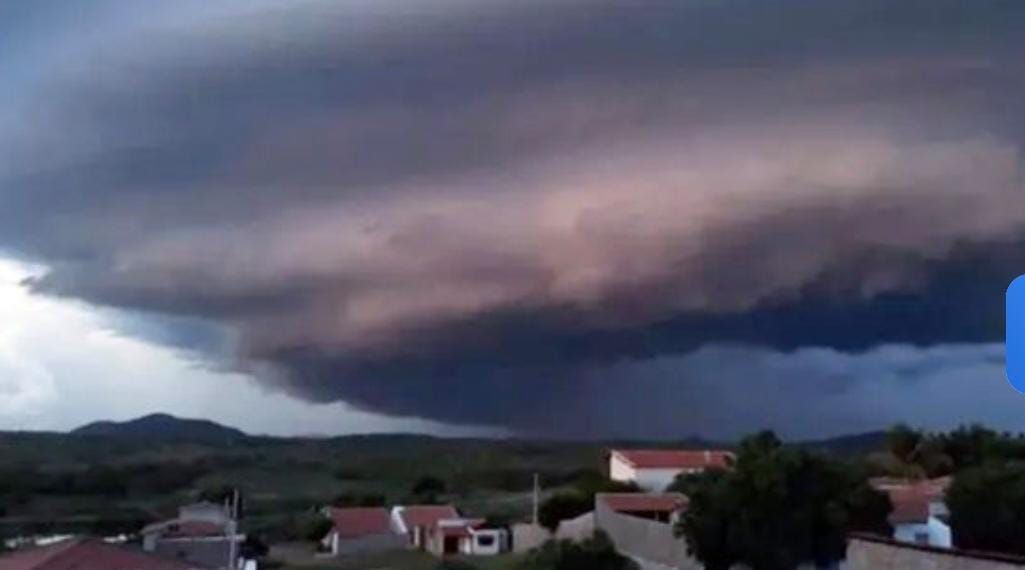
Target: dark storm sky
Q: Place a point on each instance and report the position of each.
(579, 217)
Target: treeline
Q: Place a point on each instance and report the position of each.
(918, 454)
(19, 483)
(780, 507)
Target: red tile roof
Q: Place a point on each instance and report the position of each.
(87, 554)
(459, 528)
(361, 521)
(908, 507)
(675, 459)
(644, 502)
(426, 515)
(911, 499)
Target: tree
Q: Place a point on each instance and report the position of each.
(902, 441)
(428, 484)
(913, 454)
(596, 553)
(254, 547)
(777, 508)
(562, 506)
(987, 508)
(427, 489)
(359, 500)
(592, 481)
(224, 494)
(312, 527)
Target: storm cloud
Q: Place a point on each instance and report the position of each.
(455, 210)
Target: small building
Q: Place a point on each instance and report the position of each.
(466, 536)
(89, 554)
(203, 533)
(920, 513)
(655, 469)
(659, 507)
(361, 529)
(416, 521)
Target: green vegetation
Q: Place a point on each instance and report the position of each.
(58, 483)
(777, 508)
(579, 499)
(597, 553)
(563, 506)
(55, 483)
(915, 454)
(987, 507)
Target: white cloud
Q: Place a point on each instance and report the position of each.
(62, 364)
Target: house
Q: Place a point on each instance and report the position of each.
(361, 529)
(655, 469)
(659, 507)
(919, 512)
(203, 533)
(88, 554)
(415, 522)
(470, 537)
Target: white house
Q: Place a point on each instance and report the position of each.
(416, 521)
(466, 536)
(655, 469)
(440, 530)
(919, 514)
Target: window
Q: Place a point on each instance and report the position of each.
(485, 540)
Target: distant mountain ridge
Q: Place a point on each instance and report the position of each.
(163, 427)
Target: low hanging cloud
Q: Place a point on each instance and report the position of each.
(381, 201)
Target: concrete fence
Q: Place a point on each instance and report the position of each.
(652, 544)
(528, 536)
(868, 552)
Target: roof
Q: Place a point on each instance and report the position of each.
(911, 499)
(458, 527)
(644, 502)
(360, 521)
(909, 508)
(936, 488)
(426, 515)
(87, 554)
(675, 459)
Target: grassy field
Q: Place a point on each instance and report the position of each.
(53, 482)
(73, 483)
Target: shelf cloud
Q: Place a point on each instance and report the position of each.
(394, 204)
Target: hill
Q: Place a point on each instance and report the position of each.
(163, 427)
(849, 444)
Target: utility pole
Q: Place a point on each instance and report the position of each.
(537, 497)
(233, 532)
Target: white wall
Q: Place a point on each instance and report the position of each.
(619, 470)
(654, 480)
(936, 531)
